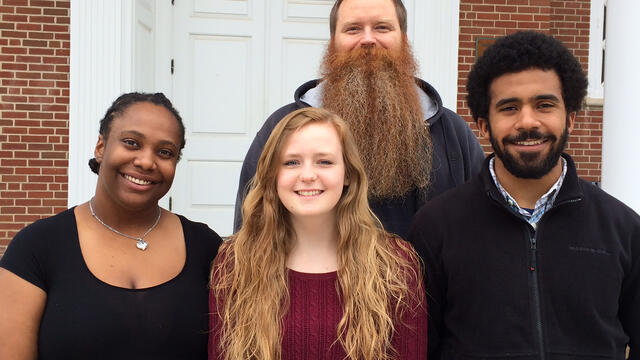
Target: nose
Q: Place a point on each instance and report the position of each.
(368, 38)
(308, 174)
(145, 160)
(528, 119)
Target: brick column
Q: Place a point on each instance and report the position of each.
(34, 122)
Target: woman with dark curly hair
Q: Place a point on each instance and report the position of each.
(117, 277)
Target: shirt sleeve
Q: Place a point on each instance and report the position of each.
(26, 255)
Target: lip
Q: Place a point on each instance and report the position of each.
(529, 144)
(138, 181)
(309, 193)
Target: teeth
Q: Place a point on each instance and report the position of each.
(137, 181)
(309, 192)
(529, 143)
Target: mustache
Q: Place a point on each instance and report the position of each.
(529, 135)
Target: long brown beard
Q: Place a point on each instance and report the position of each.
(374, 91)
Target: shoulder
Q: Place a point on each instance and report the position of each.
(200, 232)
(270, 123)
(404, 250)
(453, 202)
(275, 117)
(29, 253)
(280, 113)
(456, 121)
(47, 228)
(608, 205)
(451, 209)
(223, 263)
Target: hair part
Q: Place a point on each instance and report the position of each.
(375, 268)
(401, 13)
(122, 103)
(521, 51)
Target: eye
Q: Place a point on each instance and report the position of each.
(352, 29)
(290, 163)
(508, 108)
(325, 162)
(383, 28)
(546, 105)
(166, 153)
(130, 143)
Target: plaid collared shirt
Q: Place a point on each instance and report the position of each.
(542, 205)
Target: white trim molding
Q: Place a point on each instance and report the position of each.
(596, 46)
(100, 70)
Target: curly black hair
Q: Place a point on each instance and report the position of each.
(122, 103)
(522, 51)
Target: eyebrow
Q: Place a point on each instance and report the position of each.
(537, 98)
(388, 21)
(141, 135)
(320, 154)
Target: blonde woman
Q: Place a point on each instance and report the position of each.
(311, 274)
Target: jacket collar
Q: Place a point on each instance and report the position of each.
(571, 189)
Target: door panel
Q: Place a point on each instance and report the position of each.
(218, 87)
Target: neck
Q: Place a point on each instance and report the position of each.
(123, 218)
(526, 191)
(315, 247)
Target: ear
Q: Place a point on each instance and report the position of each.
(99, 150)
(571, 118)
(346, 181)
(483, 126)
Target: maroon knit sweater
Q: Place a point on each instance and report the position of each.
(310, 326)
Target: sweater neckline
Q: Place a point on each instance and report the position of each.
(312, 276)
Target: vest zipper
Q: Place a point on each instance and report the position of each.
(533, 273)
(535, 294)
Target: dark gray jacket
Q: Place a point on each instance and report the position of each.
(457, 156)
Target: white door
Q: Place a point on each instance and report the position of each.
(235, 62)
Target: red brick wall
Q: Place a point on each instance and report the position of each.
(566, 20)
(34, 108)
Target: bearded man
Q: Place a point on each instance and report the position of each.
(526, 261)
(411, 146)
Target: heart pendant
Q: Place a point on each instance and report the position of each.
(142, 245)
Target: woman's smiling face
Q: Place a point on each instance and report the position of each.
(311, 174)
(139, 156)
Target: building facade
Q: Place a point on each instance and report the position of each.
(35, 71)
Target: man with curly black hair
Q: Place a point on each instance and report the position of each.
(546, 266)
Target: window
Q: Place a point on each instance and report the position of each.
(597, 36)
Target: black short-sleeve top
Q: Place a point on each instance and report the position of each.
(86, 318)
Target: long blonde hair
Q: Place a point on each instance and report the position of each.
(249, 276)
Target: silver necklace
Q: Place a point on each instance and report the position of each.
(141, 244)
